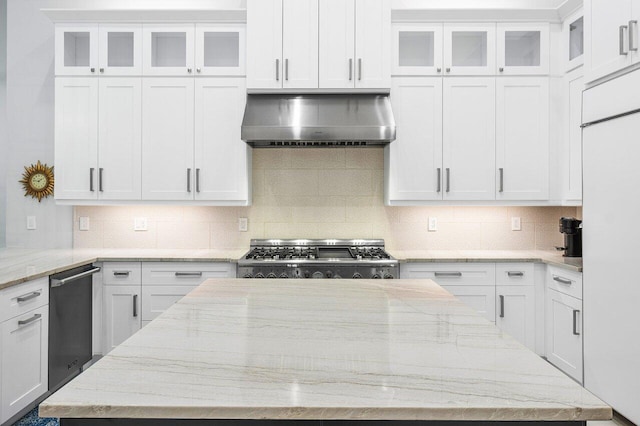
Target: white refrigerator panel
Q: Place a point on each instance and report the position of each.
(611, 237)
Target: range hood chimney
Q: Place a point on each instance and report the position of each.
(318, 120)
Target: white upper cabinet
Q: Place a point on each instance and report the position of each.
(522, 138)
(222, 159)
(470, 49)
(168, 49)
(469, 107)
(264, 44)
(611, 36)
(417, 49)
(120, 50)
(414, 159)
(573, 40)
(373, 43)
(523, 49)
(337, 43)
(300, 44)
(220, 49)
(76, 49)
(167, 138)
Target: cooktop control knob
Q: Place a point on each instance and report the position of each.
(328, 274)
(357, 275)
(388, 276)
(271, 275)
(376, 276)
(337, 277)
(307, 274)
(247, 275)
(259, 275)
(284, 275)
(317, 274)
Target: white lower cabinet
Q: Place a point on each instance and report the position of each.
(158, 298)
(122, 314)
(24, 343)
(516, 313)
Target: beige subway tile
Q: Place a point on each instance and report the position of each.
(318, 158)
(183, 235)
(291, 230)
(258, 183)
(365, 158)
(88, 239)
(318, 214)
(272, 158)
(290, 182)
(499, 236)
(345, 230)
(548, 236)
(227, 236)
(263, 213)
(480, 214)
(120, 234)
(454, 236)
(346, 182)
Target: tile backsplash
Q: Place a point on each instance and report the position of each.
(320, 193)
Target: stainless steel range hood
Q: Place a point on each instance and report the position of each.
(296, 120)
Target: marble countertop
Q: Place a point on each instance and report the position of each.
(340, 349)
(20, 265)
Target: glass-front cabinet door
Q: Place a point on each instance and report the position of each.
(220, 49)
(76, 49)
(120, 49)
(417, 49)
(523, 49)
(469, 49)
(168, 49)
(573, 34)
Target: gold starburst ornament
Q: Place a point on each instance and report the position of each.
(37, 181)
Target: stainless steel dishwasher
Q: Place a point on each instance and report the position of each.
(70, 323)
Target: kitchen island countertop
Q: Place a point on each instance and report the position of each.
(323, 349)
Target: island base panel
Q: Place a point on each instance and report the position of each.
(211, 422)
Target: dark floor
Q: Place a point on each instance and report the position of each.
(32, 419)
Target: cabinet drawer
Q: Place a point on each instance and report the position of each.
(566, 282)
(449, 274)
(22, 298)
(121, 273)
(184, 273)
(514, 274)
(481, 298)
(158, 298)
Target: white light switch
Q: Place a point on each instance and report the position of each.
(140, 224)
(243, 224)
(31, 223)
(433, 224)
(515, 224)
(84, 223)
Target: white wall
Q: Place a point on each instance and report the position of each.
(30, 126)
(3, 121)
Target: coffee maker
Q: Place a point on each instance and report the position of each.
(572, 230)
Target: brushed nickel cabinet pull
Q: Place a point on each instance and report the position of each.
(501, 306)
(501, 170)
(515, 274)
(29, 296)
(622, 30)
(135, 305)
(350, 69)
(277, 69)
(121, 273)
(91, 171)
(100, 170)
(448, 274)
(197, 180)
(188, 180)
(633, 35)
(561, 280)
(448, 171)
(359, 68)
(286, 69)
(188, 274)
(35, 317)
(439, 176)
(575, 322)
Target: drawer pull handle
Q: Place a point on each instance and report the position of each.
(188, 274)
(575, 322)
(448, 274)
(29, 296)
(515, 274)
(121, 273)
(30, 320)
(501, 306)
(561, 280)
(135, 305)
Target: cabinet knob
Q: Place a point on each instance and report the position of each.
(189, 70)
(93, 70)
(102, 70)
(439, 69)
(501, 69)
(448, 69)
(198, 70)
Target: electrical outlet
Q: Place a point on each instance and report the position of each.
(140, 224)
(433, 224)
(243, 224)
(84, 223)
(516, 225)
(31, 223)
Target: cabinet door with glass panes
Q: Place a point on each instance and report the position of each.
(76, 49)
(469, 49)
(573, 35)
(220, 49)
(523, 49)
(417, 49)
(168, 49)
(120, 49)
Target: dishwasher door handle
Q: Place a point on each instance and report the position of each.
(57, 283)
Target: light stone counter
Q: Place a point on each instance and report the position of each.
(323, 349)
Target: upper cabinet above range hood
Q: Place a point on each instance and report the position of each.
(276, 120)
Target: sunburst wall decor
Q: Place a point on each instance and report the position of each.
(37, 181)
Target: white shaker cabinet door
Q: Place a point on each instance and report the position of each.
(167, 139)
(522, 138)
(300, 44)
(337, 44)
(264, 44)
(414, 159)
(481, 298)
(564, 333)
(76, 49)
(120, 49)
(120, 139)
(158, 298)
(76, 138)
(222, 160)
(25, 343)
(515, 306)
(168, 49)
(373, 44)
(469, 138)
(121, 314)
